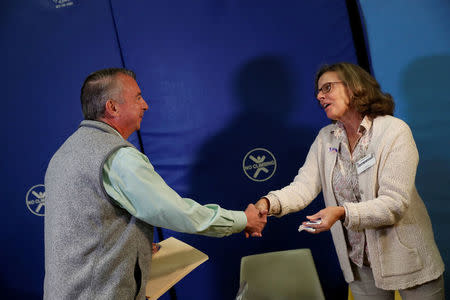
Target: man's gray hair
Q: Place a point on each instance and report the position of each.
(98, 88)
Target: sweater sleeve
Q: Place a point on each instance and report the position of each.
(302, 190)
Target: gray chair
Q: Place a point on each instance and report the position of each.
(282, 275)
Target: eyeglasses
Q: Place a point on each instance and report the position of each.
(326, 88)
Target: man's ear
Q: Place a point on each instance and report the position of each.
(111, 108)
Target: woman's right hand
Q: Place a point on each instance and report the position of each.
(263, 204)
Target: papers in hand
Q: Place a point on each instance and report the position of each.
(307, 228)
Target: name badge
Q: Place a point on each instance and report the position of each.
(365, 163)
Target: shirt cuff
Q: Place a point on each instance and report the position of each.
(346, 219)
(275, 206)
(240, 221)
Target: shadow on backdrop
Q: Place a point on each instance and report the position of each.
(424, 85)
(264, 88)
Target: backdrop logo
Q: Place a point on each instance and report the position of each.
(62, 3)
(259, 164)
(35, 200)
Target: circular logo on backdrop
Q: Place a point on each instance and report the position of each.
(259, 164)
(35, 200)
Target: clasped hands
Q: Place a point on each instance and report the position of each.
(256, 221)
(257, 218)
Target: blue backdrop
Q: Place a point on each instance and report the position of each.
(222, 78)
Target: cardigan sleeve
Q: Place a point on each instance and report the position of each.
(395, 183)
(305, 187)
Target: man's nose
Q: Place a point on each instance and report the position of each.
(145, 105)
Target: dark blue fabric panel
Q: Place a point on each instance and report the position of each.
(47, 51)
(223, 78)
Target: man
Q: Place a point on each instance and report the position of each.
(103, 198)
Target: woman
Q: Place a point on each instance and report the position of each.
(365, 164)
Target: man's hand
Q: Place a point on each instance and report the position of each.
(328, 215)
(155, 247)
(256, 220)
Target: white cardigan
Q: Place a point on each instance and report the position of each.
(400, 239)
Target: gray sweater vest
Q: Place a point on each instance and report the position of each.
(93, 248)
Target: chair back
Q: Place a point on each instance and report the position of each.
(281, 275)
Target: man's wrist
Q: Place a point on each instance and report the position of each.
(240, 221)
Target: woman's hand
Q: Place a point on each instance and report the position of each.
(263, 205)
(328, 215)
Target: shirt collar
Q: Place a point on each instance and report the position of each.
(364, 127)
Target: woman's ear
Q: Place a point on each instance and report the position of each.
(351, 96)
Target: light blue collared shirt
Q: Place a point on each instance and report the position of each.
(130, 179)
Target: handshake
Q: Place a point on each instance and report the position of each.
(318, 222)
(256, 218)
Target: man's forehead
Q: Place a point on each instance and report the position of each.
(124, 77)
(128, 81)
